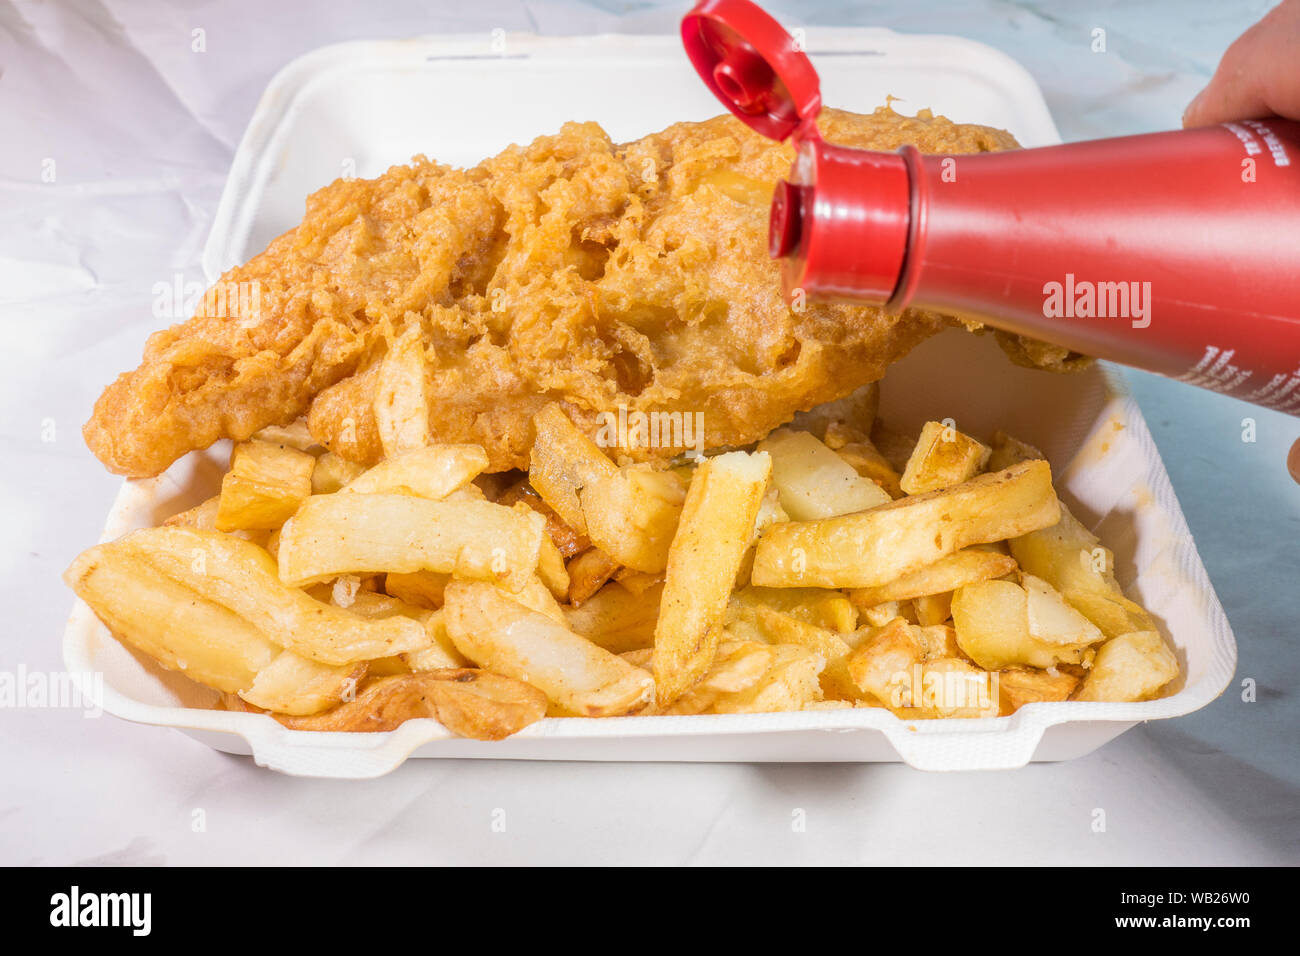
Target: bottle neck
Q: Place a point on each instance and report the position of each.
(840, 225)
(1174, 252)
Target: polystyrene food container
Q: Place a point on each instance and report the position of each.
(357, 108)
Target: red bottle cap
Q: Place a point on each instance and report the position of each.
(841, 221)
(753, 66)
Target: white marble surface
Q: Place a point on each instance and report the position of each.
(133, 198)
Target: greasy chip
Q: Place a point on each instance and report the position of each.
(346, 534)
(468, 702)
(717, 521)
(506, 637)
(873, 547)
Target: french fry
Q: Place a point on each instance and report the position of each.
(272, 544)
(836, 683)
(588, 573)
(569, 542)
(1131, 667)
(297, 685)
(737, 666)
(710, 586)
(911, 671)
(933, 608)
(789, 683)
(882, 662)
(753, 677)
(773, 627)
(264, 486)
(1113, 613)
(332, 472)
(419, 588)
(833, 677)
(441, 651)
(640, 657)
(992, 623)
(769, 512)
(832, 704)
(173, 624)
(1052, 619)
(937, 641)
(835, 680)
(390, 666)
(638, 582)
(432, 472)
(295, 435)
(203, 517)
(949, 687)
(878, 615)
(717, 521)
(470, 492)
(346, 534)
(343, 592)
(400, 404)
(242, 577)
(1073, 561)
(485, 706)
(947, 574)
(817, 606)
(563, 461)
(1026, 685)
(468, 702)
(864, 458)
(373, 606)
(617, 619)
(837, 434)
(1008, 451)
(551, 569)
(872, 548)
(505, 637)
(1067, 556)
(535, 596)
(1000, 624)
(813, 481)
(237, 704)
(632, 515)
(943, 457)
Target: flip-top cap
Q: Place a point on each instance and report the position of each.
(753, 66)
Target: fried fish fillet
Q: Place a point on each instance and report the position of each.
(571, 269)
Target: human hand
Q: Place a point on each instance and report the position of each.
(1259, 75)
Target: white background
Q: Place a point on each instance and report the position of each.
(142, 130)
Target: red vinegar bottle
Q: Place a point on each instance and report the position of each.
(1174, 252)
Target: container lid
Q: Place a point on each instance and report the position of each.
(753, 66)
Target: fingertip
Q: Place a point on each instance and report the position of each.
(1192, 115)
(1293, 461)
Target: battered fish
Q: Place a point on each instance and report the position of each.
(571, 269)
